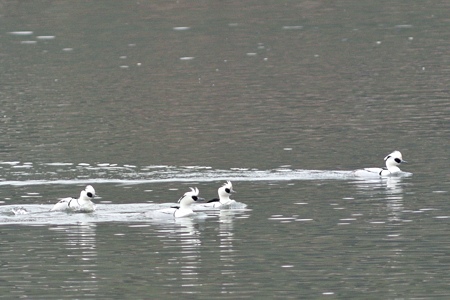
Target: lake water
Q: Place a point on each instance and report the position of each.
(284, 98)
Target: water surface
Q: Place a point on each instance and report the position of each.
(144, 100)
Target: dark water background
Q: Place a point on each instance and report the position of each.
(144, 99)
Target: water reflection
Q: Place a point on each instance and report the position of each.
(228, 255)
(390, 185)
(389, 189)
(226, 238)
(184, 243)
(80, 252)
(181, 241)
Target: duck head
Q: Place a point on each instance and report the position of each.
(88, 193)
(393, 160)
(189, 197)
(225, 190)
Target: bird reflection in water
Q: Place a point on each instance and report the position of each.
(81, 247)
(181, 241)
(389, 189)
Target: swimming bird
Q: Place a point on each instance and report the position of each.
(179, 211)
(82, 204)
(393, 160)
(224, 200)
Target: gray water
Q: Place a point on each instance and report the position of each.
(285, 98)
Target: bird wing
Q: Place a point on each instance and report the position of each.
(63, 204)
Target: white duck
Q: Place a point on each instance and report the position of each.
(180, 211)
(224, 200)
(393, 160)
(82, 204)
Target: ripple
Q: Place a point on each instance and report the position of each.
(21, 33)
(294, 27)
(287, 219)
(45, 37)
(10, 162)
(59, 164)
(404, 26)
(16, 173)
(181, 28)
